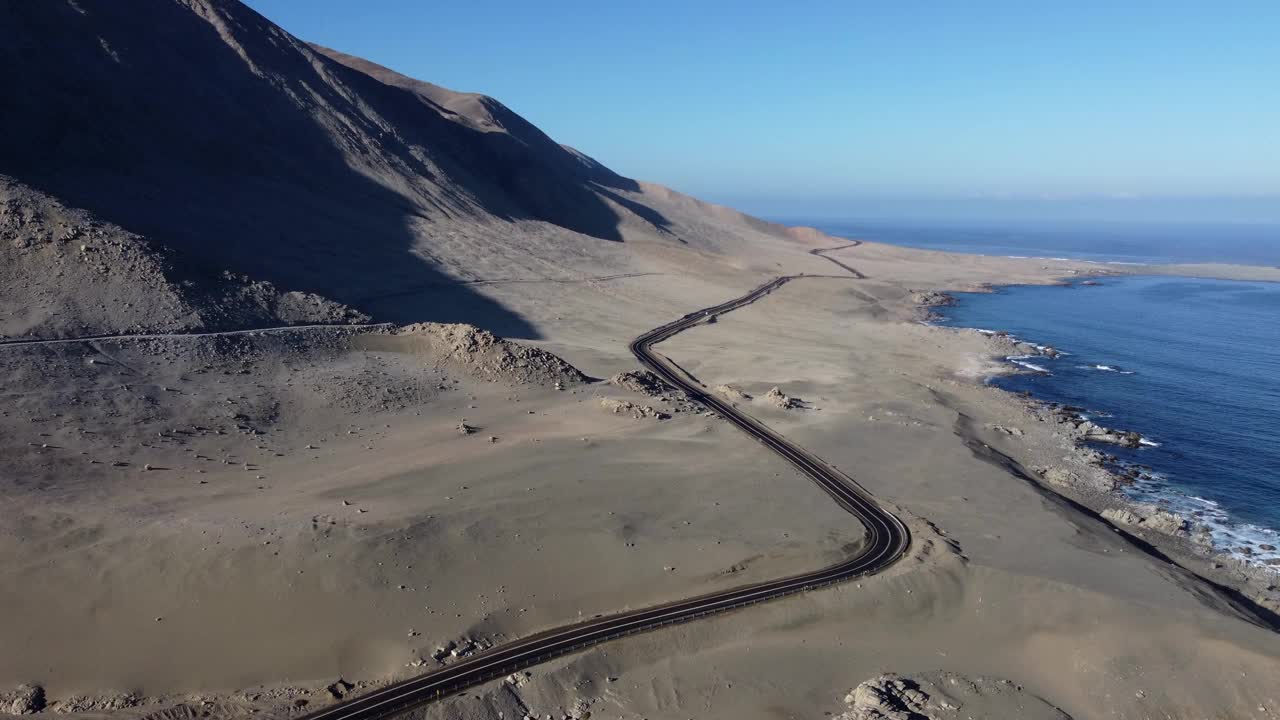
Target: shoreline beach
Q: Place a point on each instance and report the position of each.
(1103, 487)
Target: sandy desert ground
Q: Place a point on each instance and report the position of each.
(261, 447)
(312, 511)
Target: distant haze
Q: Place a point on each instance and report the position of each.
(831, 107)
(1260, 210)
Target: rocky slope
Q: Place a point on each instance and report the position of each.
(66, 274)
(239, 148)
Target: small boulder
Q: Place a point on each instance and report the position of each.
(734, 394)
(23, 700)
(782, 400)
(887, 697)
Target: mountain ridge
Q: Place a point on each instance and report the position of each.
(207, 129)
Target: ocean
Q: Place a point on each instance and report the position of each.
(1121, 242)
(1193, 365)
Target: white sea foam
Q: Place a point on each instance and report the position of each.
(1021, 361)
(1148, 443)
(1105, 368)
(1228, 535)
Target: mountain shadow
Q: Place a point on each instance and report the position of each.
(204, 126)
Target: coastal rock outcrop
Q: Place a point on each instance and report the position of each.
(1163, 521)
(1149, 517)
(1086, 430)
(1120, 516)
(932, 298)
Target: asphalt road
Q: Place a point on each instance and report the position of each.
(887, 540)
(822, 253)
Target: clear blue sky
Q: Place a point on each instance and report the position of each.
(831, 108)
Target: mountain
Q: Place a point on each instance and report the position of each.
(199, 130)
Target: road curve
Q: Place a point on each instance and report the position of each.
(822, 253)
(887, 540)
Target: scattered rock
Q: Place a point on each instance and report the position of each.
(624, 407)
(489, 357)
(644, 382)
(109, 702)
(443, 651)
(1016, 432)
(340, 688)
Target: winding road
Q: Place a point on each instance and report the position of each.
(887, 540)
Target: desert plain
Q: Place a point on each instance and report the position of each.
(339, 392)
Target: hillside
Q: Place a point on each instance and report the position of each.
(239, 148)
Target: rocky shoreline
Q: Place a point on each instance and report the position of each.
(1066, 461)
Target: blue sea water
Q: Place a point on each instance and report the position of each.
(1193, 365)
(1125, 242)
